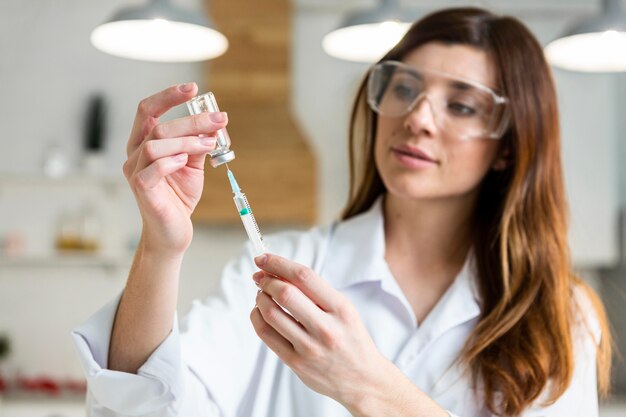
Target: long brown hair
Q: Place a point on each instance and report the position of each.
(523, 342)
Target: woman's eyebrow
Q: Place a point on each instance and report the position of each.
(411, 72)
(460, 85)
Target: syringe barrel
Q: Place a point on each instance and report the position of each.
(249, 223)
(241, 203)
(253, 234)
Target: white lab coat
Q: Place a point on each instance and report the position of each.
(215, 365)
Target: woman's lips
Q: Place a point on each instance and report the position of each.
(413, 157)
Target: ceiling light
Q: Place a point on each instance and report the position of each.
(366, 36)
(160, 32)
(595, 44)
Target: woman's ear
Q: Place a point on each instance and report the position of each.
(503, 161)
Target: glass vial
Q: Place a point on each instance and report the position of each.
(222, 153)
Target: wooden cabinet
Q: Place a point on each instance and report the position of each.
(274, 164)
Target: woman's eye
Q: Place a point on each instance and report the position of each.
(461, 109)
(403, 92)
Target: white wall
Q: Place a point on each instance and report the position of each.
(614, 279)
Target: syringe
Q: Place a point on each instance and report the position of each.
(254, 234)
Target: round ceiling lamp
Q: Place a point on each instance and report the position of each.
(159, 32)
(595, 44)
(367, 35)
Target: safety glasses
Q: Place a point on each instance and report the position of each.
(463, 108)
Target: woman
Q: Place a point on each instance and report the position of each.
(445, 290)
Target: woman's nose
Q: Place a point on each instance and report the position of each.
(422, 117)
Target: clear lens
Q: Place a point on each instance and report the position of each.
(463, 108)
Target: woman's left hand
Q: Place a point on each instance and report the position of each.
(323, 340)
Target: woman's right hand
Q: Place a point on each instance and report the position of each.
(165, 167)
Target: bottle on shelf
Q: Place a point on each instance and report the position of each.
(79, 230)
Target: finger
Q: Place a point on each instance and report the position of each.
(133, 164)
(151, 108)
(150, 176)
(198, 124)
(152, 150)
(313, 286)
(197, 160)
(279, 345)
(149, 151)
(292, 299)
(280, 320)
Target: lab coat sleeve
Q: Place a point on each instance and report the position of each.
(156, 390)
(182, 374)
(209, 365)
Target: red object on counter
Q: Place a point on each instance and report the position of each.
(39, 384)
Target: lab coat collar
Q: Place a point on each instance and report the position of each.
(362, 238)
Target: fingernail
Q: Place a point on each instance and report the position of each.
(185, 88)
(180, 157)
(257, 277)
(218, 117)
(260, 260)
(207, 141)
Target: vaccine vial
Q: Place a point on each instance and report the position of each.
(222, 153)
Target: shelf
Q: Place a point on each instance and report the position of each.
(26, 179)
(69, 260)
(71, 181)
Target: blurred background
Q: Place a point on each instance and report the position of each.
(69, 225)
